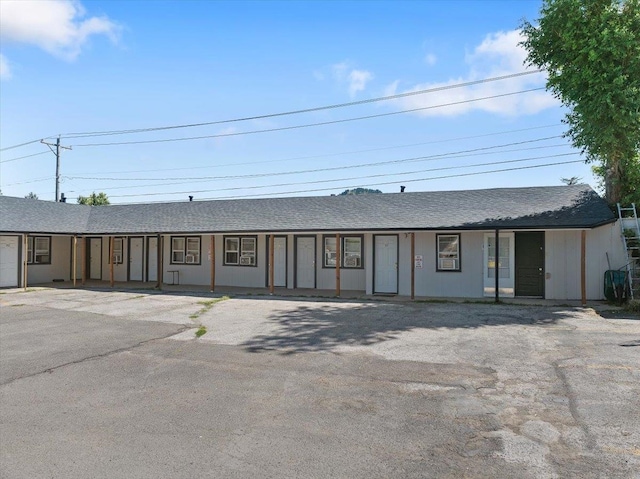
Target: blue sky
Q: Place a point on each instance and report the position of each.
(93, 66)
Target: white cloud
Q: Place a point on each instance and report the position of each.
(498, 55)
(5, 71)
(356, 79)
(430, 59)
(57, 26)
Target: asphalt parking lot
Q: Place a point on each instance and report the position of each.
(115, 384)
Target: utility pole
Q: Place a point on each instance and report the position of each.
(57, 153)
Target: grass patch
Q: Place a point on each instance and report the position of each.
(206, 306)
(437, 301)
(202, 330)
(633, 306)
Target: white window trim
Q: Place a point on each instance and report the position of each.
(33, 253)
(246, 256)
(448, 262)
(190, 256)
(346, 258)
(118, 250)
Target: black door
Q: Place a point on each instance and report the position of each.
(530, 264)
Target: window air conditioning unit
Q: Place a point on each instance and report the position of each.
(245, 260)
(351, 262)
(448, 264)
(191, 258)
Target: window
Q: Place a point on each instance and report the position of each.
(330, 252)
(117, 250)
(503, 265)
(240, 250)
(41, 254)
(448, 252)
(185, 250)
(351, 252)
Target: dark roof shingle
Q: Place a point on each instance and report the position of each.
(576, 206)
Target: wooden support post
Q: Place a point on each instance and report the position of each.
(413, 266)
(583, 268)
(497, 264)
(213, 263)
(75, 259)
(111, 241)
(338, 261)
(25, 256)
(83, 258)
(160, 260)
(271, 259)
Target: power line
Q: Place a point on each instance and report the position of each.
(369, 184)
(18, 146)
(333, 168)
(309, 157)
(211, 179)
(23, 157)
(306, 110)
(332, 122)
(314, 182)
(38, 180)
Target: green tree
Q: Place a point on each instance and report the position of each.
(574, 180)
(359, 191)
(591, 51)
(31, 196)
(631, 191)
(94, 199)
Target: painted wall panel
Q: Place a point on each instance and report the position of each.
(467, 283)
(243, 276)
(350, 279)
(563, 261)
(60, 267)
(120, 269)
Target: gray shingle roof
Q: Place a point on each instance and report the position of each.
(575, 206)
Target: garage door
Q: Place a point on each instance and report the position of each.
(9, 261)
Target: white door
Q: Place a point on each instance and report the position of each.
(136, 259)
(506, 283)
(9, 261)
(152, 259)
(95, 258)
(305, 262)
(386, 264)
(280, 261)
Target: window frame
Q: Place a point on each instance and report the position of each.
(117, 240)
(185, 250)
(457, 258)
(240, 252)
(504, 272)
(343, 241)
(31, 252)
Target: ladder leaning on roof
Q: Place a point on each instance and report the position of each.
(631, 242)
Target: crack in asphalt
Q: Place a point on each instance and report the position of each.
(95, 356)
(573, 407)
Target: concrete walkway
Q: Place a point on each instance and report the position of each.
(307, 293)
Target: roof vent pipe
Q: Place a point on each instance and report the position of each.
(63, 199)
(190, 198)
(402, 189)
